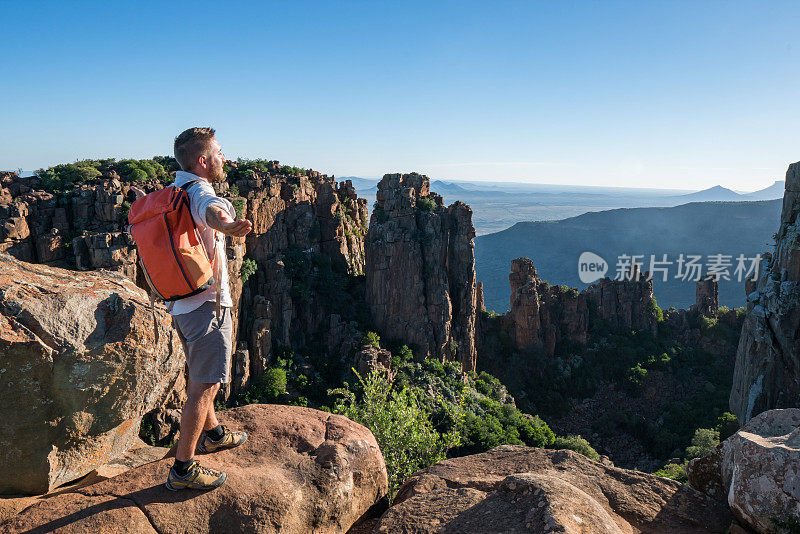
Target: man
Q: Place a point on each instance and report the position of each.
(203, 321)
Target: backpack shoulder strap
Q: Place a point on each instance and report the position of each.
(188, 185)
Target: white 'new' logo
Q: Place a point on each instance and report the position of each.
(591, 267)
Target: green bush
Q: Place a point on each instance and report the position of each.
(249, 267)
(727, 425)
(704, 442)
(239, 205)
(400, 425)
(273, 383)
(371, 338)
(68, 175)
(674, 471)
(487, 424)
(577, 444)
(426, 204)
(635, 377)
(657, 312)
(123, 210)
(233, 190)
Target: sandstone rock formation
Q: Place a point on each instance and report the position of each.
(304, 229)
(760, 467)
(420, 270)
(370, 358)
(301, 471)
(82, 357)
(301, 222)
(707, 297)
(767, 372)
(521, 489)
(542, 315)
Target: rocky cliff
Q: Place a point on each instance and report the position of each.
(543, 316)
(767, 373)
(308, 244)
(420, 270)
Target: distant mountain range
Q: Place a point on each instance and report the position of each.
(697, 228)
(719, 193)
(498, 205)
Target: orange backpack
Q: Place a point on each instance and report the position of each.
(173, 257)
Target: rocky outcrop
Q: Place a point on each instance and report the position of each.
(760, 468)
(707, 297)
(521, 489)
(705, 475)
(371, 358)
(301, 471)
(624, 304)
(82, 357)
(543, 316)
(767, 372)
(756, 471)
(308, 242)
(420, 270)
(113, 251)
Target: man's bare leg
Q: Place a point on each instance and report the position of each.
(211, 417)
(199, 398)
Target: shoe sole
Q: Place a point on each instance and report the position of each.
(170, 487)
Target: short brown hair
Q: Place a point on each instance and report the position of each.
(191, 144)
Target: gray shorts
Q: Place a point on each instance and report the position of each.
(206, 342)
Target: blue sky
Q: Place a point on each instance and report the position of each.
(651, 94)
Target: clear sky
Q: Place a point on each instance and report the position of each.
(652, 94)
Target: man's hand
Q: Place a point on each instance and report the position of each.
(219, 220)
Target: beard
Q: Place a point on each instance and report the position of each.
(217, 174)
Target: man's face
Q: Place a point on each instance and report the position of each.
(215, 161)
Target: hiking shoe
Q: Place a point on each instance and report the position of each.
(228, 440)
(198, 477)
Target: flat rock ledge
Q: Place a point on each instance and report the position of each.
(301, 471)
(514, 489)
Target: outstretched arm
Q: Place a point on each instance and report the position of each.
(218, 219)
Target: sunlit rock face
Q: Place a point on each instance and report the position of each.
(767, 373)
(420, 270)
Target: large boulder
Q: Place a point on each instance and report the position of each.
(761, 469)
(523, 489)
(82, 358)
(301, 471)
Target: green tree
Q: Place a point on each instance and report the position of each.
(703, 443)
(400, 425)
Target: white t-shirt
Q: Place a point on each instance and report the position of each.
(201, 196)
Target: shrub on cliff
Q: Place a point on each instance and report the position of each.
(426, 204)
(371, 338)
(674, 471)
(727, 425)
(249, 267)
(577, 444)
(703, 443)
(401, 427)
(67, 175)
(268, 387)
